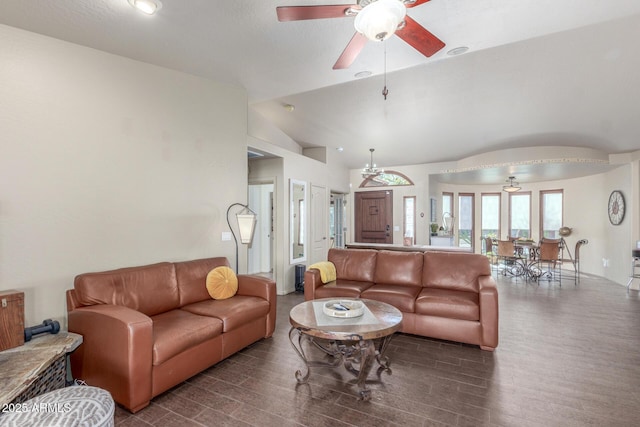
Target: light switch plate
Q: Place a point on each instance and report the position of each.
(226, 236)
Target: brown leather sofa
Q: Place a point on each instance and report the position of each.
(444, 295)
(146, 329)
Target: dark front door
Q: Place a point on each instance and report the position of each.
(374, 217)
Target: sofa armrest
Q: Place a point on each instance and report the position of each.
(312, 281)
(258, 286)
(488, 311)
(116, 353)
(72, 300)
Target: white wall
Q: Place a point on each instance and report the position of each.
(290, 165)
(618, 241)
(108, 162)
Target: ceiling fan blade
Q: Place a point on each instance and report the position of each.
(299, 13)
(419, 38)
(351, 52)
(416, 3)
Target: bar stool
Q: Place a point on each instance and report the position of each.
(635, 263)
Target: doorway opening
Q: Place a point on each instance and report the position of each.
(337, 220)
(261, 250)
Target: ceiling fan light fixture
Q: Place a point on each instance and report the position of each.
(379, 19)
(512, 187)
(149, 7)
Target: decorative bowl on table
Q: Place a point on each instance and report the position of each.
(343, 308)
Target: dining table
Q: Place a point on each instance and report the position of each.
(526, 254)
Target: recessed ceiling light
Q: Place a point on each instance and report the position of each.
(457, 51)
(146, 6)
(361, 74)
(289, 107)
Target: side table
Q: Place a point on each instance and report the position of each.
(36, 367)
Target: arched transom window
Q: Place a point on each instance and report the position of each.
(386, 179)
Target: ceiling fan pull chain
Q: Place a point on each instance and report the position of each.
(385, 91)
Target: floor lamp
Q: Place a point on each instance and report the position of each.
(246, 219)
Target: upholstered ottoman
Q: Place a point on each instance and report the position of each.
(76, 406)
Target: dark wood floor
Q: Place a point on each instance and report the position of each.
(568, 356)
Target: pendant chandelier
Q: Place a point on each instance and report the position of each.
(370, 170)
(512, 187)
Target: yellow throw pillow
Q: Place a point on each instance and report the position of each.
(327, 271)
(222, 283)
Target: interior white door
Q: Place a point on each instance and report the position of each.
(319, 217)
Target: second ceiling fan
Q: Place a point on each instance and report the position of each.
(375, 20)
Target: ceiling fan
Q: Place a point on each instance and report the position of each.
(375, 20)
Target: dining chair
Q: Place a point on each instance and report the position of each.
(488, 249)
(549, 260)
(508, 259)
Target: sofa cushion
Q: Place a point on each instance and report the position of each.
(150, 289)
(448, 303)
(399, 268)
(402, 297)
(354, 264)
(222, 283)
(342, 288)
(178, 330)
(233, 312)
(455, 271)
(192, 278)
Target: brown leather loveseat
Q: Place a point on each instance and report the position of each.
(444, 295)
(146, 329)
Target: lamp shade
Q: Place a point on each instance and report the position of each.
(380, 19)
(246, 224)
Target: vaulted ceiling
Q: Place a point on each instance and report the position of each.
(536, 72)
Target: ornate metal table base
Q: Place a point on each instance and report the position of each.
(524, 267)
(356, 350)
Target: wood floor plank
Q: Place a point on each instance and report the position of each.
(568, 356)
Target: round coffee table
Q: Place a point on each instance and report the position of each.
(356, 340)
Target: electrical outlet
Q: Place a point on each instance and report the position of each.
(605, 262)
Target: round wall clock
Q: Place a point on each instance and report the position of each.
(616, 207)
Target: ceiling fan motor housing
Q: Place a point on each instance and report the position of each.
(379, 19)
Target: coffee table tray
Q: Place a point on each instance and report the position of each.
(343, 308)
